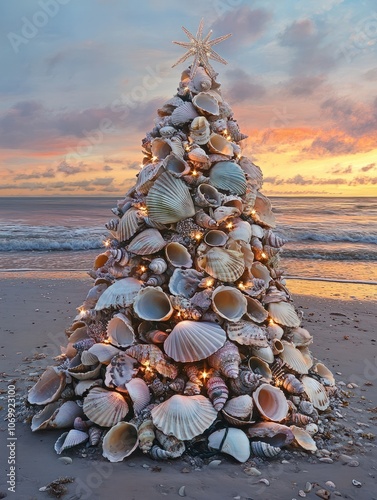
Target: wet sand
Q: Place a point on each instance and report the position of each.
(35, 310)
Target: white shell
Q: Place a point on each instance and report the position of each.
(293, 358)
(139, 393)
(201, 81)
(260, 271)
(120, 294)
(48, 388)
(41, 419)
(225, 265)
(120, 331)
(105, 408)
(236, 443)
(241, 231)
(240, 406)
(260, 367)
(283, 313)
(263, 211)
(169, 200)
(128, 225)
(247, 333)
(185, 282)
(104, 352)
(69, 440)
(184, 417)
(152, 304)
(120, 371)
(199, 130)
(147, 242)
(193, 341)
(147, 176)
(264, 353)
(54, 416)
(303, 438)
(161, 148)
(316, 393)
(85, 385)
(215, 238)
(184, 114)
(253, 172)
(300, 337)
(255, 311)
(158, 265)
(277, 434)
(324, 373)
(271, 402)
(228, 176)
(219, 145)
(120, 441)
(229, 303)
(207, 196)
(178, 255)
(176, 166)
(198, 155)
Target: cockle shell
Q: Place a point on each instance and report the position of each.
(120, 294)
(240, 407)
(225, 265)
(324, 373)
(170, 105)
(227, 360)
(206, 104)
(247, 333)
(120, 371)
(152, 304)
(293, 358)
(255, 311)
(69, 440)
(263, 211)
(177, 255)
(105, 408)
(303, 438)
(264, 450)
(120, 331)
(219, 145)
(207, 196)
(283, 313)
(184, 114)
(139, 394)
(199, 130)
(241, 231)
(234, 131)
(217, 392)
(147, 242)
(167, 131)
(176, 166)
(271, 432)
(316, 393)
(48, 388)
(270, 402)
(204, 220)
(146, 434)
(169, 200)
(235, 444)
(151, 356)
(229, 303)
(128, 225)
(145, 179)
(228, 176)
(158, 265)
(253, 173)
(184, 417)
(261, 368)
(215, 238)
(193, 341)
(201, 81)
(171, 447)
(120, 441)
(104, 352)
(185, 282)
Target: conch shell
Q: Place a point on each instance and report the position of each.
(226, 360)
(120, 442)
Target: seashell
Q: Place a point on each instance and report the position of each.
(191, 389)
(120, 371)
(112, 225)
(184, 417)
(272, 239)
(316, 393)
(245, 383)
(261, 368)
(48, 388)
(152, 304)
(177, 255)
(158, 265)
(276, 346)
(222, 214)
(139, 394)
(63, 416)
(324, 373)
(95, 434)
(247, 333)
(152, 357)
(120, 294)
(105, 408)
(260, 271)
(199, 130)
(290, 383)
(173, 447)
(240, 406)
(283, 313)
(170, 106)
(219, 145)
(204, 220)
(169, 200)
(228, 176)
(248, 202)
(93, 295)
(198, 156)
(80, 371)
(311, 429)
(233, 201)
(293, 358)
(147, 242)
(274, 331)
(201, 81)
(120, 256)
(82, 425)
(306, 354)
(303, 439)
(222, 264)
(215, 238)
(274, 295)
(183, 114)
(178, 385)
(146, 434)
(227, 360)
(167, 131)
(154, 337)
(192, 341)
(271, 433)
(241, 231)
(207, 196)
(88, 358)
(128, 225)
(70, 439)
(255, 311)
(155, 280)
(229, 303)
(256, 231)
(120, 441)
(146, 178)
(264, 353)
(271, 403)
(193, 373)
(176, 166)
(120, 331)
(85, 385)
(41, 419)
(231, 441)
(253, 173)
(234, 131)
(185, 282)
(264, 450)
(219, 126)
(100, 260)
(160, 148)
(263, 211)
(307, 408)
(206, 104)
(104, 352)
(300, 337)
(299, 419)
(217, 392)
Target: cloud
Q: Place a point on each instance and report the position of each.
(68, 169)
(368, 167)
(299, 180)
(102, 181)
(338, 169)
(371, 75)
(49, 173)
(336, 145)
(303, 86)
(107, 168)
(242, 88)
(133, 165)
(114, 161)
(355, 118)
(363, 180)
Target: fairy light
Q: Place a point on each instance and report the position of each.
(241, 286)
(198, 236)
(228, 137)
(82, 312)
(229, 225)
(263, 255)
(253, 212)
(271, 322)
(194, 173)
(204, 375)
(154, 158)
(147, 367)
(143, 269)
(209, 282)
(106, 243)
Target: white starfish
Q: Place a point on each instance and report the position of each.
(201, 49)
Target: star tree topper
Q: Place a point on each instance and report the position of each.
(201, 49)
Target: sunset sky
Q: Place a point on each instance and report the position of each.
(82, 79)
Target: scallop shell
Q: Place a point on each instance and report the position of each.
(228, 176)
(48, 388)
(271, 403)
(261, 368)
(241, 231)
(120, 371)
(120, 442)
(104, 352)
(324, 373)
(193, 341)
(147, 242)
(219, 145)
(263, 211)
(158, 265)
(264, 450)
(316, 393)
(217, 392)
(240, 406)
(206, 104)
(183, 114)
(147, 176)
(283, 313)
(199, 130)
(303, 438)
(153, 358)
(201, 81)
(177, 255)
(139, 394)
(207, 196)
(105, 408)
(253, 173)
(120, 331)
(227, 360)
(185, 282)
(184, 417)
(169, 200)
(146, 433)
(293, 358)
(176, 166)
(222, 264)
(69, 440)
(247, 333)
(235, 444)
(229, 303)
(152, 304)
(128, 226)
(120, 294)
(255, 311)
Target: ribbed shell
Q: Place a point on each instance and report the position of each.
(128, 225)
(228, 176)
(218, 392)
(48, 388)
(152, 356)
(227, 360)
(184, 114)
(223, 264)
(316, 393)
(120, 442)
(247, 333)
(120, 294)
(240, 406)
(193, 341)
(147, 242)
(147, 176)
(139, 393)
(283, 313)
(293, 358)
(235, 444)
(253, 172)
(264, 450)
(69, 440)
(105, 408)
(184, 417)
(169, 200)
(104, 352)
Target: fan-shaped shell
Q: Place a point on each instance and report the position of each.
(147, 176)
(283, 313)
(178, 255)
(316, 393)
(300, 337)
(184, 417)
(69, 440)
(176, 166)
(219, 145)
(152, 304)
(120, 294)
(120, 371)
(192, 340)
(271, 403)
(105, 408)
(128, 225)
(222, 264)
(184, 114)
(247, 333)
(263, 211)
(228, 176)
(241, 231)
(169, 200)
(120, 331)
(147, 242)
(260, 367)
(229, 303)
(235, 444)
(139, 393)
(303, 438)
(293, 358)
(255, 311)
(264, 450)
(104, 352)
(48, 388)
(120, 441)
(215, 238)
(206, 104)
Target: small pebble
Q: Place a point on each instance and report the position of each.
(65, 460)
(285, 462)
(237, 497)
(326, 460)
(265, 481)
(185, 470)
(252, 471)
(345, 458)
(353, 463)
(131, 464)
(356, 483)
(182, 491)
(214, 464)
(330, 484)
(302, 494)
(145, 466)
(323, 494)
(341, 383)
(44, 488)
(308, 487)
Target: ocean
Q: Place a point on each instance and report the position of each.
(328, 238)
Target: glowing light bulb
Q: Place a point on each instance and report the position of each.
(263, 255)
(194, 173)
(107, 243)
(271, 322)
(253, 212)
(198, 236)
(241, 286)
(204, 375)
(229, 225)
(154, 158)
(143, 269)
(209, 282)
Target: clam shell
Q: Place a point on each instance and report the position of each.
(104, 352)
(206, 104)
(255, 311)
(69, 440)
(184, 417)
(247, 333)
(283, 313)
(161, 148)
(263, 211)
(147, 242)
(316, 393)
(185, 282)
(139, 394)
(235, 444)
(41, 419)
(176, 166)
(324, 373)
(229, 303)
(85, 385)
(120, 441)
(240, 406)
(271, 433)
(120, 371)
(193, 341)
(293, 358)
(222, 264)
(184, 114)
(120, 294)
(177, 255)
(169, 200)
(264, 450)
(253, 173)
(207, 196)
(120, 331)
(260, 367)
(241, 231)
(228, 176)
(63, 416)
(215, 238)
(152, 304)
(147, 176)
(303, 438)
(219, 145)
(271, 403)
(48, 388)
(105, 408)
(198, 155)
(128, 225)
(257, 231)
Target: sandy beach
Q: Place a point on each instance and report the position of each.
(34, 311)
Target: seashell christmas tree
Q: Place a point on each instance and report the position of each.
(189, 330)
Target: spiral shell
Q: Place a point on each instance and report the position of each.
(199, 130)
(146, 434)
(95, 434)
(264, 450)
(217, 392)
(245, 383)
(227, 360)
(201, 81)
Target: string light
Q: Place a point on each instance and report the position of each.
(241, 286)
(106, 243)
(143, 269)
(154, 158)
(204, 375)
(209, 282)
(147, 367)
(82, 312)
(194, 173)
(271, 322)
(229, 225)
(263, 255)
(253, 212)
(198, 236)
